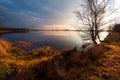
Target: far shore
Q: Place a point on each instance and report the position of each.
(13, 30)
(21, 30)
(4, 31)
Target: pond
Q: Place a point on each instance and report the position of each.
(56, 39)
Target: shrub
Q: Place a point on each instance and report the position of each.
(95, 52)
(43, 51)
(91, 55)
(116, 28)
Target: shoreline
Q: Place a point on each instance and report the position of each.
(14, 30)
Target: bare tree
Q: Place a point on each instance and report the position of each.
(92, 14)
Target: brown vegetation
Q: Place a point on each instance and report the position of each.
(116, 28)
(113, 38)
(4, 45)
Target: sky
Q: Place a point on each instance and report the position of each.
(37, 13)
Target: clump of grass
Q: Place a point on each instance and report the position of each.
(94, 53)
(90, 56)
(43, 51)
(7, 70)
(4, 46)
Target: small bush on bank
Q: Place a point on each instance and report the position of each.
(116, 28)
(43, 52)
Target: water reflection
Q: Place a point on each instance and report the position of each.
(56, 39)
(56, 33)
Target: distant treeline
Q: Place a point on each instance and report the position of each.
(14, 30)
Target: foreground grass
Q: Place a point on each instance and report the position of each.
(18, 64)
(107, 67)
(101, 62)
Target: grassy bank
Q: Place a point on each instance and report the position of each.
(101, 62)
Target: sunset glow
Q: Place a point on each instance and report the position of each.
(36, 13)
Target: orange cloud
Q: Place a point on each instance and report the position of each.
(49, 27)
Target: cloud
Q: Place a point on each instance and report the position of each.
(32, 13)
(57, 26)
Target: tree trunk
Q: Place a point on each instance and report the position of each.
(94, 41)
(93, 37)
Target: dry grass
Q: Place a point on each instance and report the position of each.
(4, 46)
(94, 53)
(110, 63)
(113, 38)
(62, 65)
(45, 63)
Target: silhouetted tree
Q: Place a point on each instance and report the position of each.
(116, 28)
(91, 14)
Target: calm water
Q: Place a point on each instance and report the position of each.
(56, 39)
